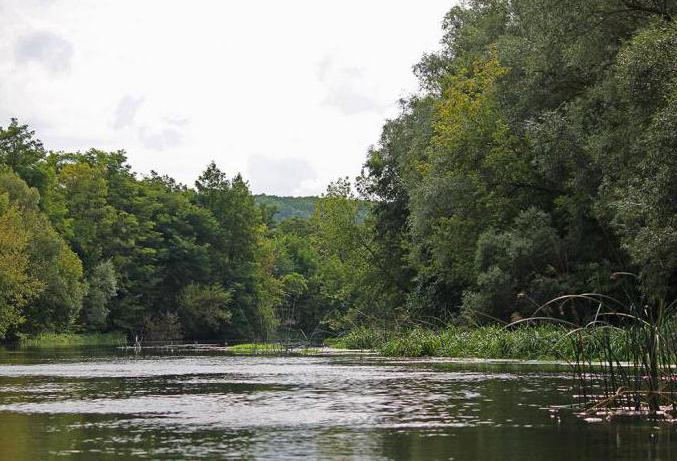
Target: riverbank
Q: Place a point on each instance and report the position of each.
(74, 339)
(542, 342)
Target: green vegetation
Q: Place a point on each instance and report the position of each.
(638, 372)
(536, 161)
(539, 342)
(270, 349)
(74, 339)
(86, 244)
(256, 348)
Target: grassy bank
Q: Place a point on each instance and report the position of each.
(542, 342)
(256, 348)
(268, 349)
(73, 339)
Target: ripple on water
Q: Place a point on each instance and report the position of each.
(187, 407)
(240, 392)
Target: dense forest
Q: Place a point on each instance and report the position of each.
(87, 245)
(537, 160)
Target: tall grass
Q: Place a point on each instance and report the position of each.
(529, 342)
(361, 338)
(630, 368)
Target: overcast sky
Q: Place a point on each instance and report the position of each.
(289, 93)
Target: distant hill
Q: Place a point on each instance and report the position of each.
(298, 207)
(288, 207)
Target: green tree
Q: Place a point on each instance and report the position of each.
(238, 251)
(18, 287)
(205, 310)
(23, 153)
(101, 287)
(44, 257)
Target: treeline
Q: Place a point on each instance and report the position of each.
(539, 159)
(88, 246)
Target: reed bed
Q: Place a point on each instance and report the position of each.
(524, 341)
(632, 372)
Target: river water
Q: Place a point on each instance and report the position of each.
(104, 404)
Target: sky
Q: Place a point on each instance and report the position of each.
(289, 93)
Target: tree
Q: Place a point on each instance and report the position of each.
(23, 153)
(238, 250)
(18, 286)
(558, 113)
(204, 310)
(101, 287)
(51, 272)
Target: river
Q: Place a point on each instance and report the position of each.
(107, 403)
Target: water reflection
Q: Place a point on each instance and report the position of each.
(107, 404)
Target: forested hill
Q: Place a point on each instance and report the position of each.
(288, 207)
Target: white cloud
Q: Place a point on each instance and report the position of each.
(350, 98)
(161, 139)
(126, 111)
(349, 90)
(304, 82)
(283, 176)
(46, 49)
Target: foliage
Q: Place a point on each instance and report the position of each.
(269, 349)
(41, 276)
(204, 310)
(101, 287)
(536, 161)
(361, 338)
(256, 348)
(162, 326)
(17, 286)
(140, 247)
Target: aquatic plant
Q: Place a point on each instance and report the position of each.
(272, 348)
(624, 357)
(544, 341)
(361, 337)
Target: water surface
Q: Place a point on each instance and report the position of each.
(114, 404)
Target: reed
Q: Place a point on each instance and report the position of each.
(543, 341)
(624, 358)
